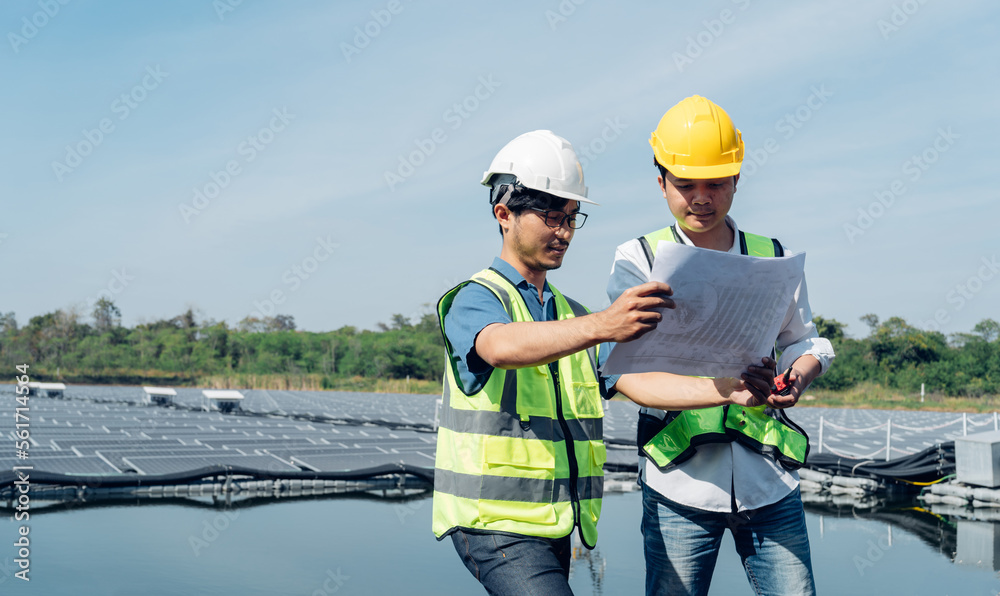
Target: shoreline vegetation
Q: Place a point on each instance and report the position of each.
(867, 396)
(888, 369)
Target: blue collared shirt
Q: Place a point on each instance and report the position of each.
(476, 307)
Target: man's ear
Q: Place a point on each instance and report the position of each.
(504, 216)
(663, 189)
(736, 179)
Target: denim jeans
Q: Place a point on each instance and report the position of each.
(508, 564)
(682, 544)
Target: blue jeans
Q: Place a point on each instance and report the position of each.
(682, 544)
(515, 564)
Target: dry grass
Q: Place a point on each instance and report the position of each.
(314, 382)
(874, 396)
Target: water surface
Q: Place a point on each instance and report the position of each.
(373, 546)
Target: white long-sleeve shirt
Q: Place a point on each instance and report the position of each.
(721, 473)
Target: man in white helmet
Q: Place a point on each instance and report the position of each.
(520, 452)
(708, 470)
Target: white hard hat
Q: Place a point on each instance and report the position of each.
(544, 161)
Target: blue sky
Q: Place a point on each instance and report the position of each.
(328, 154)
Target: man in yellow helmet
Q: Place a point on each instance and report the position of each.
(520, 454)
(723, 467)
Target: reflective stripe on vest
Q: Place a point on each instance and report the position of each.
(504, 453)
(769, 432)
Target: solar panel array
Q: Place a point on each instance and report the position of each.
(97, 430)
(111, 430)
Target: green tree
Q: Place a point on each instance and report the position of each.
(831, 329)
(871, 320)
(988, 329)
(106, 315)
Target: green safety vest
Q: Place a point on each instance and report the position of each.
(525, 454)
(673, 440)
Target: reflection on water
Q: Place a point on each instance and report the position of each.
(353, 545)
(902, 513)
(962, 535)
(589, 563)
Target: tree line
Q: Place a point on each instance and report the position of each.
(898, 356)
(180, 350)
(65, 345)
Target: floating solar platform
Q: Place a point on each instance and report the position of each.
(355, 461)
(302, 436)
(160, 396)
(70, 465)
(174, 464)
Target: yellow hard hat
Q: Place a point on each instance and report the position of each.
(696, 139)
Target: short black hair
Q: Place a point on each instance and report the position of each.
(663, 170)
(523, 198)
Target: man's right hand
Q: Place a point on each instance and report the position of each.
(635, 312)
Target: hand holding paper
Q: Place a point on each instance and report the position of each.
(729, 310)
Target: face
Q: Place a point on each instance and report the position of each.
(532, 243)
(700, 206)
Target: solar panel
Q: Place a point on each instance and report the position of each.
(90, 446)
(351, 461)
(151, 464)
(70, 464)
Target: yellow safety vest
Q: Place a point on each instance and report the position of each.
(525, 454)
(674, 439)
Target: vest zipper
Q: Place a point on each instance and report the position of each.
(574, 469)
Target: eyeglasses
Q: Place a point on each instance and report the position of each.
(555, 219)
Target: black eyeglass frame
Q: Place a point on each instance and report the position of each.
(555, 218)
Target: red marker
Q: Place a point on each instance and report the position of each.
(782, 385)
